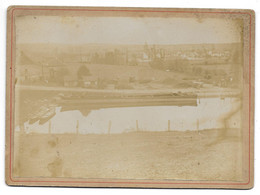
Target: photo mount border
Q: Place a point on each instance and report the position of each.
(125, 182)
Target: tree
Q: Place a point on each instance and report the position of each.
(83, 71)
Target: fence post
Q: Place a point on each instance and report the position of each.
(198, 125)
(109, 126)
(22, 129)
(137, 128)
(49, 127)
(77, 127)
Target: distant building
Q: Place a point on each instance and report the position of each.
(70, 81)
(89, 81)
(110, 86)
(145, 60)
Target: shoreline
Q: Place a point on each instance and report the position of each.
(203, 92)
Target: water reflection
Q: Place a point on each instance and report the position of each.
(210, 113)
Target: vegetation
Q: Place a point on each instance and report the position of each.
(83, 71)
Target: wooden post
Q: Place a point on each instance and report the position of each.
(22, 131)
(109, 126)
(169, 125)
(198, 124)
(49, 127)
(77, 127)
(137, 128)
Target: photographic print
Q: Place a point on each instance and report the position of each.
(130, 97)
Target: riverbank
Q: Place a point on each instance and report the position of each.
(210, 91)
(189, 155)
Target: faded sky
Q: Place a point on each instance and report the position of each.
(125, 30)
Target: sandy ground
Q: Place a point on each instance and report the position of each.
(138, 155)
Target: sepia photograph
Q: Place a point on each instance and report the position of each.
(130, 97)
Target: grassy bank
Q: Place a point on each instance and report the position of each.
(139, 155)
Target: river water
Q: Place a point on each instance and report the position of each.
(210, 113)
